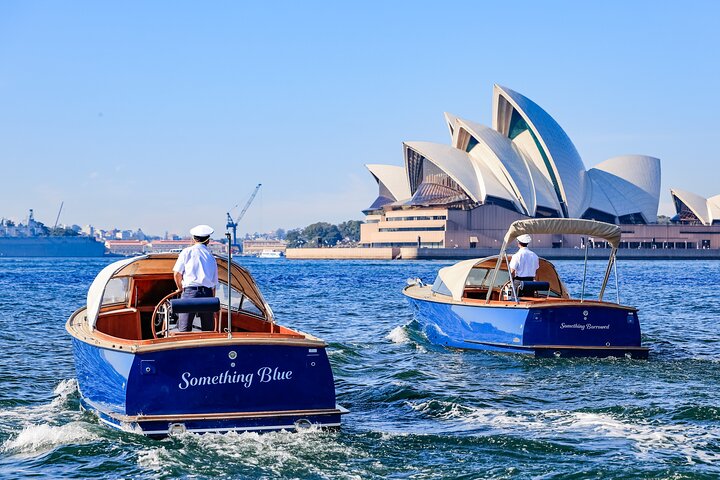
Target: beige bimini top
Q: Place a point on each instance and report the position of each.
(606, 231)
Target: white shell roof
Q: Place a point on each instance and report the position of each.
(625, 197)
(544, 191)
(564, 157)
(714, 208)
(451, 121)
(640, 170)
(699, 205)
(509, 166)
(393, 177)
(515, 170)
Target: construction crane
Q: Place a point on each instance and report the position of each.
(233, 224)
(57, 219)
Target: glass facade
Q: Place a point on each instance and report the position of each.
(437, 188)
(593, 214)
(413, 229)
(399, 219)
(471, 143)
(632, 219)
(686, 215)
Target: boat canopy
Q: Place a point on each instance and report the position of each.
(606, 231)
(156, 264)
(454, 279)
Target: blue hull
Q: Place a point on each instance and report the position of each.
(208, 388)
(573, 329)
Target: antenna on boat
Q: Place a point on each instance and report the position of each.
(228, 235)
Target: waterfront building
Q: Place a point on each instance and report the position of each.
(162, 246)
(126, 247)
(256, 246)
(466, 193)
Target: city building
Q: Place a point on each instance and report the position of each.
(126, 247)
(162, 246)
(256, 246)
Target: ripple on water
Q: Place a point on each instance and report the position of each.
(417, 410)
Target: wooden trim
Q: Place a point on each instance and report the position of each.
(220, 416)
(78, 327)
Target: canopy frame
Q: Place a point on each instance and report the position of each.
(606, 231)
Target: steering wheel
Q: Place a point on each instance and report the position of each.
(162, 313)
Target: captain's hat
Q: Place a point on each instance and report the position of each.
(201, 231)
(525, 238)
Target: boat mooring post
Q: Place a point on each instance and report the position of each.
(582, 295)
(229, 284)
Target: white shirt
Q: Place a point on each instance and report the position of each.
(198, 267)
(525, 263)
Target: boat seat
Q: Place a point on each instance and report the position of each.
(530, 289)
(195, 305)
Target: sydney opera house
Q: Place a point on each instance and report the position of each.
(465, 194)
(692, 209)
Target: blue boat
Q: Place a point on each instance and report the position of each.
(138, 373)
(475, 304)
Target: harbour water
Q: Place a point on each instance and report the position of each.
(417, 410)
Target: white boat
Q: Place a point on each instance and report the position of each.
(270, 254)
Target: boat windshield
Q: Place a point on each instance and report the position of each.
(239, 301)
(440, 287)
(116, 291)
(480, 278)
(477, 278)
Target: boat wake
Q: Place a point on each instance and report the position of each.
(307, 453)
(594, 431)
(38, 439)
(403, 334)
(398, 335)
(39, 432)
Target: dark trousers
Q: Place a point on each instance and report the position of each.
(207, 319)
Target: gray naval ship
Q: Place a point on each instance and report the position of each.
(34, 240)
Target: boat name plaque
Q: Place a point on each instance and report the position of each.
(264, 375)
(584, 326)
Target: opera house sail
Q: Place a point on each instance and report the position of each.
(464, 194)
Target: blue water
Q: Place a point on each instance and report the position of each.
(418, 411)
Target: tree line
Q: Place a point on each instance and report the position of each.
(323, 234)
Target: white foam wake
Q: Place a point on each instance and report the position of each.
(40, 413)
(398, 335)
(40, 438)
(692, 442)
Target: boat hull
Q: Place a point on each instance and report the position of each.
(569, 329)
(226, 387)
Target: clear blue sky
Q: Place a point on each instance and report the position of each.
(162, 115)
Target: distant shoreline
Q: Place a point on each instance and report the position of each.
(414, 253)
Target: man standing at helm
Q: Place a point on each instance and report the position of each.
(197, 276)
(525, 262)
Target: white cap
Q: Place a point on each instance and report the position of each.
(525, 238)
(201, 231)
